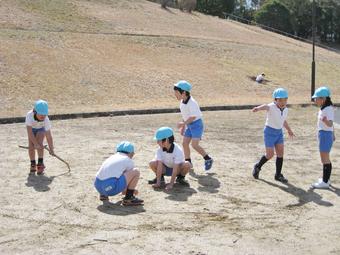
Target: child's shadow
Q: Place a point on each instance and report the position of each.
(208, 182)
(180, 193)
(118, 209)
(39, 182)
(303, 196)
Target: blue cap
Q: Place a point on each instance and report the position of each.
(280, 93)
(41, 107)
(183, 85)
(126, 147)
(163, 132)
(322, 92)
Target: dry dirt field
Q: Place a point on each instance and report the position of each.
(224, 211)
(103, 55)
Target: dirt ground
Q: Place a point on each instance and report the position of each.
(224, 211)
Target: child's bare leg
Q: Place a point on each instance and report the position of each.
(31, 150)
(186, 147)
(185, 168)
(132, 178)
(153, 166)
(269, 153)
(325, 158)
(40, 139)
(197, 147)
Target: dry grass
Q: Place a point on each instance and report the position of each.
(86, 64)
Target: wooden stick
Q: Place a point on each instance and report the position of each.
(56, 156)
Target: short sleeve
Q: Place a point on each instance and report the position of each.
(330, 113)
(179, 157)
(47, 123)
(194, 109)
(28, 120)
(130, 165)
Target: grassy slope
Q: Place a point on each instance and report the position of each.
(76, 55)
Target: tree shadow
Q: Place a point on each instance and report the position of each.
(40, 183)
(303, 196)
(207, 181)
(118, 209)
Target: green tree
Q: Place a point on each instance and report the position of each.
(216, 7)
(275, 14)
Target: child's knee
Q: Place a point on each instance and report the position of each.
(136, 172)
(153, 164)
(269, 155)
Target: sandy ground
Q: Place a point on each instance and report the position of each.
(224, 211)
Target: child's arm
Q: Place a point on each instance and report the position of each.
(170, 185)
(50, 141)
(32, 138)
(261, 108)
(187, 122)
(290, 132)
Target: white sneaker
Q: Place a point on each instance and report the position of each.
(329, 181)
(320, 185)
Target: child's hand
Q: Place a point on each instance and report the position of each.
(255, 109)
(169, 187)
(324, 119)
(180, 125)
(37, 146)
(291, 134)
(156, 186)
(51, 151)
(181, 130)
(333, 138)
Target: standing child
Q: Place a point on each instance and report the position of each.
(117, 174)
(169, 160)
(38, 126)
(273, 135)
(326, 134)
(192, 125)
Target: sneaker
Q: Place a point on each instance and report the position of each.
(256, 171)
(154, 181)
(103, 198)
(320, 185)
(329, 181)
(281, 178)
(208, 164)
(33, 168)
(132, 201)
(181, 180)
(40, 169)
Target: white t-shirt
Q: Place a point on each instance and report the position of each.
(329, 113)
(259, 78)
(31, 122)
(275, 116)
(115, 166)
(170, 159)
(190, 109)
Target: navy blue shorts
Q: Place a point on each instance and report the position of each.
(194, 129)
(168, 170)
(111, 186)
(272, 137)
(37, 130)
(325, 140)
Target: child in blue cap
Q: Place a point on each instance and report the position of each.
(277, 112)
(325, 134)
(191, 127)
(38, 126)
(118, 174)
(169, 160)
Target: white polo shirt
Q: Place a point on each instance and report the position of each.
(170, 158)
(329, 113)
(31, 122)
(275, 116)
(115, 166)
(190, 109)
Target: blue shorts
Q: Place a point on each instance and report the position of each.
(111, 186)
(325, 140)
(272, 137)
(194, 129)
(37, 130)
(168, 170)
